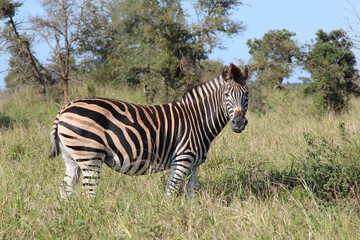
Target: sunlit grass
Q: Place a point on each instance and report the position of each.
(244, 192)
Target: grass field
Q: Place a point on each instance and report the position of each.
(292, 174)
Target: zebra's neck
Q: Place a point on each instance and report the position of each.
(205, 102)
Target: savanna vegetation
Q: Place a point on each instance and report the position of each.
(294, 173)
(291, 174)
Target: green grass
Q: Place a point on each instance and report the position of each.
(292, 174)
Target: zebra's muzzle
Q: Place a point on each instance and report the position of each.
(238, 123)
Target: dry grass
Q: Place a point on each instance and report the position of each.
(241, 197)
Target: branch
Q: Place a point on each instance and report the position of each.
(351, 40)
(47, 41)
(30, 56)
(8, 69)
(2, 47)
(26, 69)
(357, 15)
(355, 39)
(78, 22)
(48, 24)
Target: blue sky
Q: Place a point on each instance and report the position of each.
(304, 17)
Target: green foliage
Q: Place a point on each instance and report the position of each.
(273, 57)
(214, 17)
(326, 169)
(5, 120)
(153, 44)
(96, 35)
(8, 8)
(332, 66)
(210, 69)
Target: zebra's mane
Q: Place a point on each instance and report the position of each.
(195, 88)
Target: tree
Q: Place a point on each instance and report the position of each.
(332, 66)
(274, 57)
(19, 46)
(96, 35)
(60, 29)
(155, 44)
(210, 68)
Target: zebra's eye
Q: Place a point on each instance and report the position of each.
(226, 94)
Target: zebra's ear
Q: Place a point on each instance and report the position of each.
(245, 73)
(226, 74)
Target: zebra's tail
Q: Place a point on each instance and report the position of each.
(54, 142)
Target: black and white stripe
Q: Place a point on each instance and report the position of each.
(136, 140)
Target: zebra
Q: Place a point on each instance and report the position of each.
(136, 140)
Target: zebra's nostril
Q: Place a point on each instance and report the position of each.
(239, 122)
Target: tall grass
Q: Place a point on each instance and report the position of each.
(292, 174)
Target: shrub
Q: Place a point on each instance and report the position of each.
(5, 120)
(327, 169)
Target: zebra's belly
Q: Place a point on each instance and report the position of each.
(141, 167)
(135, 166)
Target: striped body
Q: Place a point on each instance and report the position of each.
(136, 140)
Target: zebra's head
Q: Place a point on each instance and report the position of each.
(235, 97)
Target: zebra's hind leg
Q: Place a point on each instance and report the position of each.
(71, 178)
(91, 168)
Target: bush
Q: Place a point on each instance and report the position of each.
(327, 169)
(5, 120)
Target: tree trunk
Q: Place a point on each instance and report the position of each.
(66, 90)
(31, 58)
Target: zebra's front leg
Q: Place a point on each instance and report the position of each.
(178, 174)
(191, 185)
